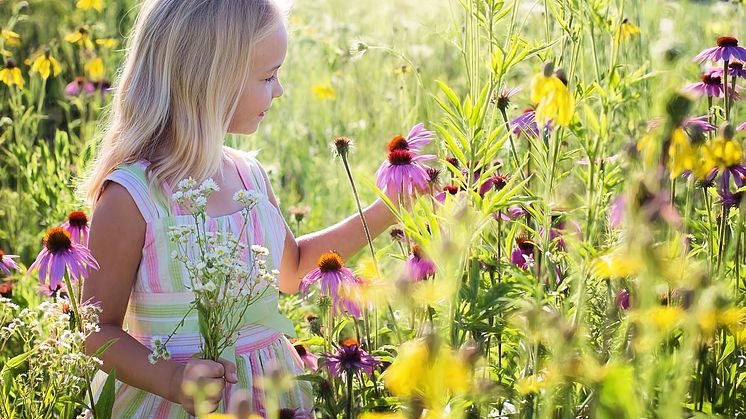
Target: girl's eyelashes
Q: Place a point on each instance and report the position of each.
(271, 79)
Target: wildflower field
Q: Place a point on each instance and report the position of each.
(576, 248)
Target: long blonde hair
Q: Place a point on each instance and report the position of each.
(179, 86)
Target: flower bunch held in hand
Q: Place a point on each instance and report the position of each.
(224, 285)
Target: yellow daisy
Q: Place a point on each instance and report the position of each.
(627, 30)
(44, 63)
(681, 154)
(107, 42)
(11, 38)
(11, 74)
(324, 92)
(554, 101)
(95, 68)
(81, 37)
(90, 4)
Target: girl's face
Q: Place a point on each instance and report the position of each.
(263, 85)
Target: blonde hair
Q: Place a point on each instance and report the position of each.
(179, 86)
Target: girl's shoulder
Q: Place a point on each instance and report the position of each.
(250, 162)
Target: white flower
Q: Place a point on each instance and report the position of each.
(152, 358)
(186, 184)
(259, 250)
(209, 186)
(247, 198)
(209, 286)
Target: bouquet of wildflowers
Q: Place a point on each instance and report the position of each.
(224, 285)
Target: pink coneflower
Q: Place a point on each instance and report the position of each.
(741, 127)
(447, 190)
(523, 255)
(525, 123)
(335, 279)
(503, 99)
(727, 48)
(6, 289)
(700, 122)
(7, 263)
(77, 226)
(61, 254)
(308, 358)
(495, 182)
(511, 214)
(710, 85)
(350, 358)
(402, 171)
(622, 299)
(419, 266)
(79, 84)
(417, 138)
(735, 69)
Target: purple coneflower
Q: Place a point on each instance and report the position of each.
(700, 122)
(419, 266)
(402, 171)
(741, 127)
(447, 190)
(495, 182)
(622, 299)
(738, 173)
(61, 254)
(523, 255)
(335, 278)
(79, 84)
(7, 263)
(417, 138)
(350, 358)
(77, 226)
(727, 48)
(710, 85)
(6, 289)
(308, 358)
(735, 69)
(511, 214)
(503, 99)
(525, 123)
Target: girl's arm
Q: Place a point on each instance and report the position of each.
(346, 238)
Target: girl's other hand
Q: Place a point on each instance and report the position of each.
(208, 375)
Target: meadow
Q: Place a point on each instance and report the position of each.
(578, 248)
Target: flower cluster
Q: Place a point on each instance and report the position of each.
(223, 283)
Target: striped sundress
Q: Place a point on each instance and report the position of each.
(160, 298)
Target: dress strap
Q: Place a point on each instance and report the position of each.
(133, 178)
(248, 170)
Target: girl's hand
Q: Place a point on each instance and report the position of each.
(203, 373)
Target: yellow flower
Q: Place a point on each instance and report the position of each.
(402, 69)
(628, 30)
(107, 42)
(681, 154)
(44, 63)
(90, 4)
(665, 317)
(529, 385)
(616, 265)
(720, 153)
(553, 99)
(221, 416)
(433, 377)
(371, 415)
(324, 92)
(80, 37)
(10, 37)
(95, 68)
(11, 74)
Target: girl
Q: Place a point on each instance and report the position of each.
(194, 71)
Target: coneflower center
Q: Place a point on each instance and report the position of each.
(400, 157)
(453, 190)
(10, 64)
(330, 262)
(77, 219)
(727, 41)
(56, 239)
(525, 244)
(417, 251)
(736, 65)
(1, 254)
(350, 342)
(711, 80)
(301, 350)
(398, 143)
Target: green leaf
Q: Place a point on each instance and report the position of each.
(105, 402)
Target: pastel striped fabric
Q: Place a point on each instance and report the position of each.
(161, 296)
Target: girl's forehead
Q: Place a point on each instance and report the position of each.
(270, 52)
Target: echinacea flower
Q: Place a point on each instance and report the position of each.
(699, 122)
(503, 99)
(77, 226)
(45, 64)
(525, 124)
(710, 85)
(335, 279)
(402, 171)
(418, 265)
(6, 289)
(7, 263)
(523, 255)
(59, 255)
(447, 190)
(741, 127)
(79, 84)
(735, 69)
(11, 74)
(553, 100)
(417, 138)
(622, 299)
(728, 198)
(309, 358)
(494, 182)
(350, 358)
(727, 48)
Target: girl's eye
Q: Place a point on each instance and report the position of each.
(271, 79)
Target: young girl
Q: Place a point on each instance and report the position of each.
(194, 71)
